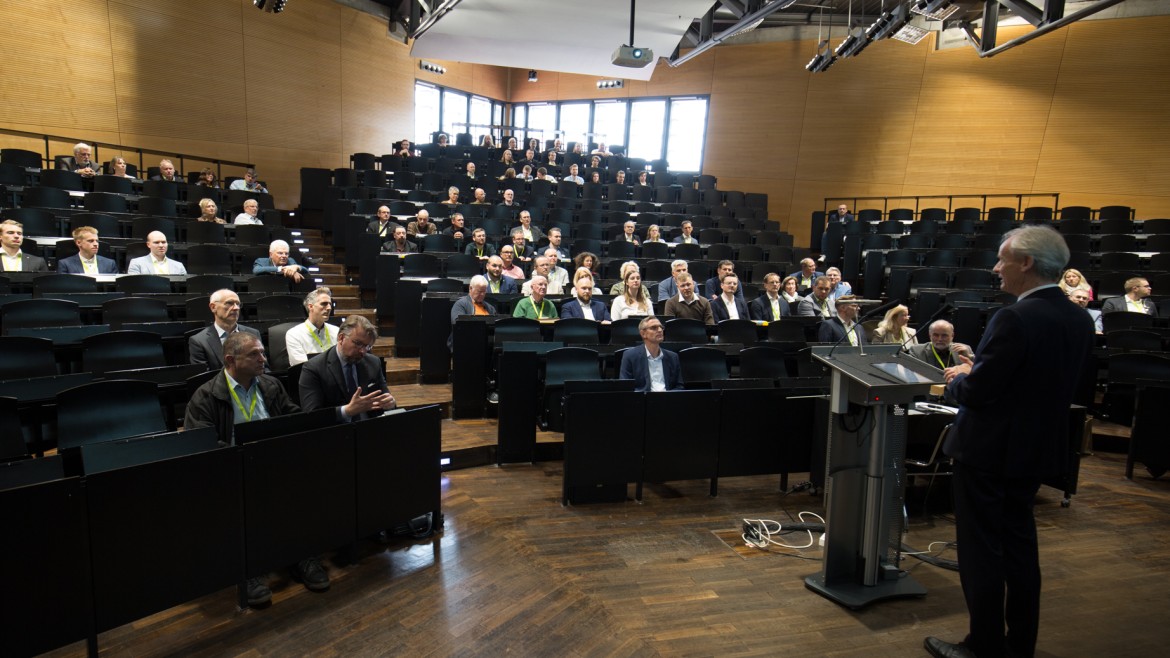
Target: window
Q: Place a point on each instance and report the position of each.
(454, 111)
(519, 119)
(574, 122)
(688, 127)
(426, 112)
(542, 122)
(646, 127)
(481, 117)
(609, 122)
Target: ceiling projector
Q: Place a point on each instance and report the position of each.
(632, 57)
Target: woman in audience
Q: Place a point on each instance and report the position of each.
(589, 261)
(633, 300)
(118, 167)
(208, 210)
(653, 234)
(584, 273)
(506, 158)
(893, 329)
(619, 288)
(788, 290)
(508, 173)
(1074, 280)
(512, 144)
(595, 177)
(207, 178)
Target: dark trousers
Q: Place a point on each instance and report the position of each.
(998, 552)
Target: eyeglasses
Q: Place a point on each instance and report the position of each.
(361, 347)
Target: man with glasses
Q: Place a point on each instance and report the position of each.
(81, 162)
(347, 376)
(843, 328)
(383, 226)
(1135, 300)
(651, 367)
(206, 347)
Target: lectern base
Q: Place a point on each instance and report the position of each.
(856, 597)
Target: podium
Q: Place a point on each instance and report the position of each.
(870, 389)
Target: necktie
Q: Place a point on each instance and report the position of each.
(351, 378)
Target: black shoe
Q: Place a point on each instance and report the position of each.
(311, 574)
(256, 593)
(941, 649)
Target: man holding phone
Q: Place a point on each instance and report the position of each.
(347, 376)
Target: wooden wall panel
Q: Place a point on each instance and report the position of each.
(377, 90)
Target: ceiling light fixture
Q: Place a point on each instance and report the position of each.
(431, 67)
(532, 75)
(935, 10)
(270, 6)
(611, 84)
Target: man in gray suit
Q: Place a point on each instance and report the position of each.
(206, 347)
(156, 262)
(818, 303)
(942, 351)
(1081, 298)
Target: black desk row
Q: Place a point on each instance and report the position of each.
(93, 552)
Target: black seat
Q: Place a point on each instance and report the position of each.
(941, 258)
(1120, 261)
(445, 285)
(1115, 212)
(1114, 225)
(975, 280)
(702, 365)
(36, 221)
(22, 158)
(48, 284)
(105, 202)
(198, 309)
(122, 350)
(209, 259)
(927, 277)
(205, 233)
(421, 265)
(438, 243)
(157, 206)
(902, 258)
(45, 197)
(1117, 242)
(741, 331)
(462, 266)
(269, 283)
(933, 215)
(1147, 443)
(624, 331)
(108, 410)
(134, 309)
(253, 234)
(762, 362)
(562, 365)
(137, 284)
(62, 179)
(576, 331)
(1076, 212)
(1111, 322)
(1133, 340)
(12, 441)
(516, 329)
(950, 241)
(140, 227)
(280, 308)
(685, 330)
(205, 284)
(112, 184)
(26, 356)
(27, 313)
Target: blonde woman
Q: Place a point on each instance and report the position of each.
(619, 288)
(653, 234)
(1074, 280)
(633, 301)
(118, 167)
(893, 329)
(208, 210)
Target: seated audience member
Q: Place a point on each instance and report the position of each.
(383, 226)
(729, 305)
(620, 177)
(542, 267)
(628, 234)
(523, 252)
(443, 143)
(498, 284)
(771, 305)
(817, 303)
(552, 160)
(478, 246)
(507, 159)
(807, 275)
(837, 287)
(404, 151)
(209, 212)
(206, 347)
(398, 244)
(422, 225)
(487, 142)
(893, 329)
(533, 145)
(589, 261)
(687, 237)
(941, 352)
(532, 234)
(530, 162)
(452, 196)
(166, 171)
(601, 150)
(687, 304)
(207, 179)
(843, 327)
(840, 216)
(583, 305)
(1081, 298)
(535, 306)
(584, 273)
(511, 269)
(595, 162)
(119, 168)
(542, 174)
(1135, 300)
(509, 174)
(509, 198)
(480, 197)
(643, 178)
(573, 177)
(249, 182)
(513, 145)
(654, 234)
(473, 303)
(554, 241)
(457, 230)
(713, 287)
(82, 161)
(156, 262)
(668, 287)
(1073, 280)
(595, 177)
(788, 290)
(634, 300)
(619, 288)
(470, 174)
(558, 277)
(315, 335)
(346, 376)
(279, 262)
(13, 259)
(251, 214)
(243, 394)
(86, 260)
(651, 367)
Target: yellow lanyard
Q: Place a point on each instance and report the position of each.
(540, 312)
(236, 398)
(160, 266)
(322, 344)
(776, 309)
(90, 267)
(938, 358)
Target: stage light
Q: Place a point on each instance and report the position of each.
(532, 75)
(431, 67)
(270, 6)
(852, 44)
(820, 62)
(610, 84)
(888, 23)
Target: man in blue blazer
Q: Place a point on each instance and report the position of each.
(86, 260)
(279, 262)
(1011, 433)
(584, 305)
(719, 305)
(713, 286)
(843, 328)
(498, 284)
(651, 367)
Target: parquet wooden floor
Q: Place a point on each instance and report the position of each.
(515, 573)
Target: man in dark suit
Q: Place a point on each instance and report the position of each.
(770, 306)
(347, 376)
(651, 367)
(843, 327)
(86, 260)
(585, 306)
(80, 162)
(685, 237)
(807, 276)
(399, 244)
(479, 246)
(722, 305)
(714, 286)
(1011, 432)
(166, 171)
(840, 216)
(206, 347)
(1135, 300)
(13, 259)
(383, 226)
